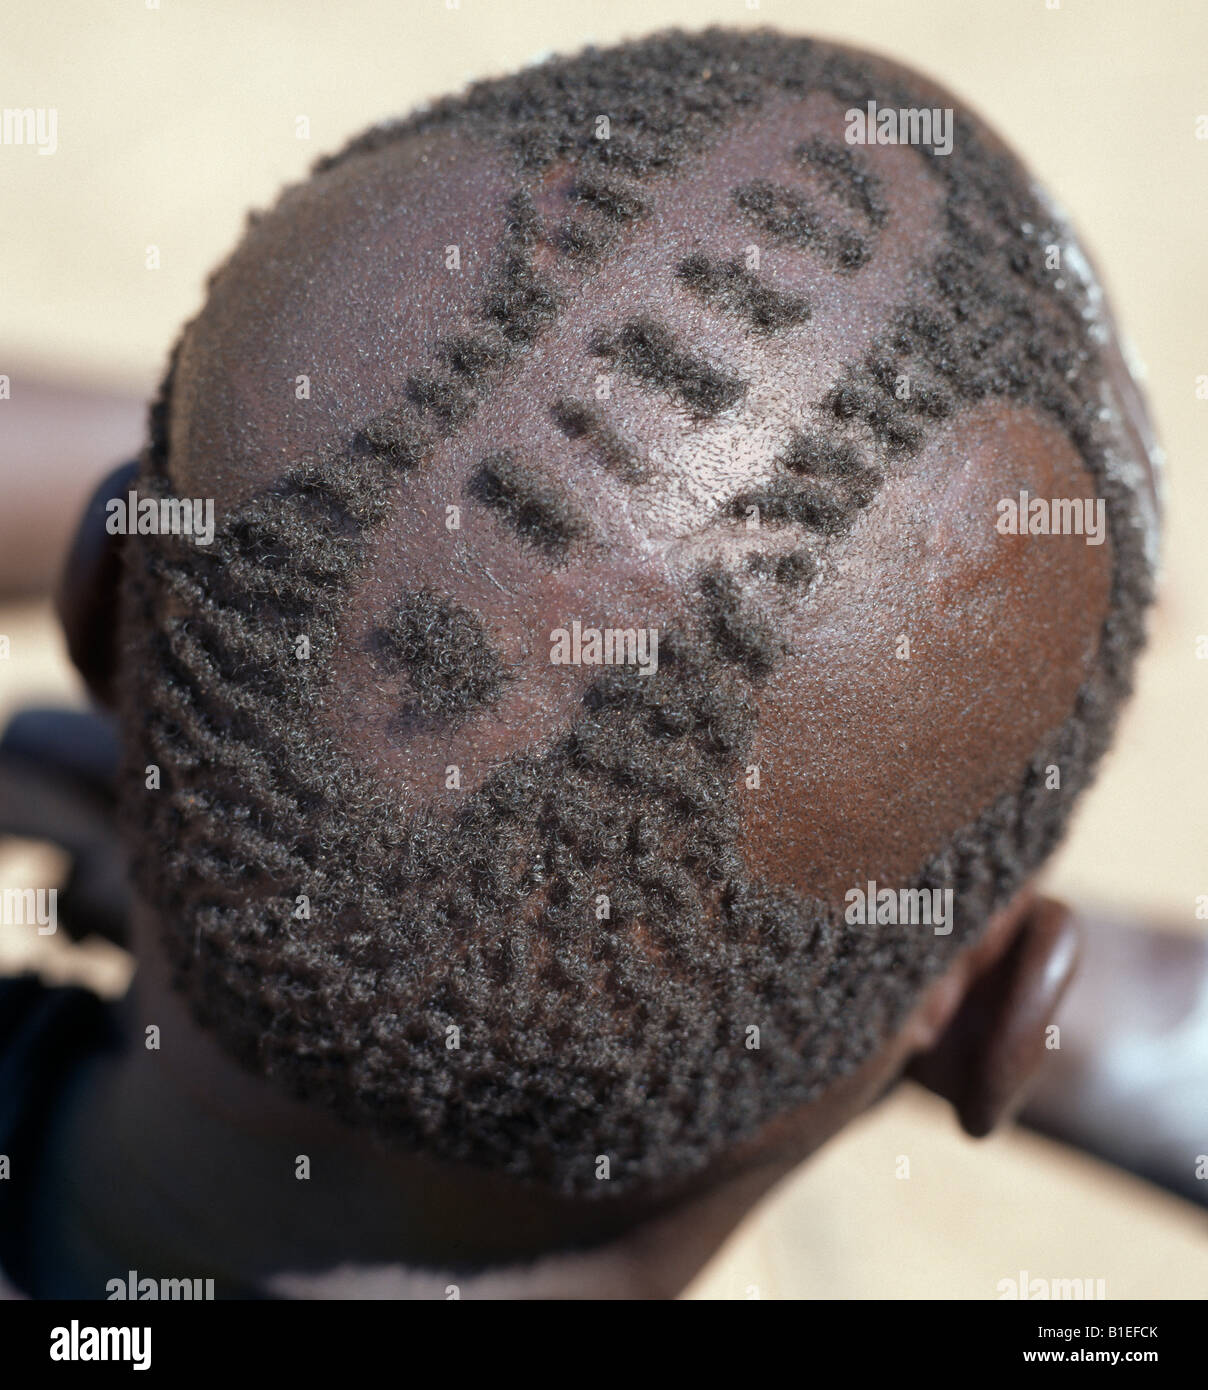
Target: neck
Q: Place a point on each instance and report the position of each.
(176, 1163)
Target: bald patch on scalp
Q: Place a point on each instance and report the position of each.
(315, 290)
(985, 616)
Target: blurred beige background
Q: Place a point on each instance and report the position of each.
(176, 118)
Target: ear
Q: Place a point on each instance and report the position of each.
(86, 599)
(986, 1057)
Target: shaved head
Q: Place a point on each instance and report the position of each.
(638, 341)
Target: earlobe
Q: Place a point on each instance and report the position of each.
(86, 599)
(998, 1038)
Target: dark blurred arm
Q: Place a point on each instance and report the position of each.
(1129, 1082)
(56, 442)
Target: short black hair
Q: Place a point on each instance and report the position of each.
(581, 1036)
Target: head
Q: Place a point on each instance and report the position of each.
(640, 342)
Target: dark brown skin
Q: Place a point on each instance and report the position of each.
(346, 282)
(1128, 1083)
(56, 441)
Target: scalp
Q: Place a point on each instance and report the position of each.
(603, 391)
(724, 386)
